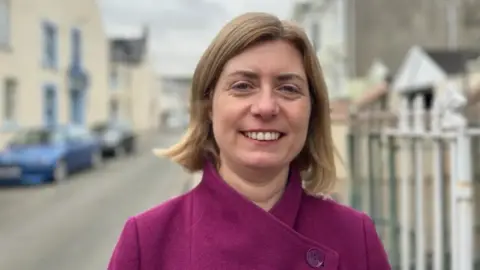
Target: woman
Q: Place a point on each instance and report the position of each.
(260, 132)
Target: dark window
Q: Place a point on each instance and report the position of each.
(50, 39)
(9, 99)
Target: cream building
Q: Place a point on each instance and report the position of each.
(133, 95)
(325, 23)
(175, 96)
(53, 64)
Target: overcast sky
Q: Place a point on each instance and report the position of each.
(181, 29)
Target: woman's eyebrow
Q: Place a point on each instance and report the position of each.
(290, 76)
(281, 77)
(244, 73)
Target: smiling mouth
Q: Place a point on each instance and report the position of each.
(263, 135)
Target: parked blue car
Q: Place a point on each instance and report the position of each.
(41, 155)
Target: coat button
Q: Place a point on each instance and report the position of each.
(315, 258)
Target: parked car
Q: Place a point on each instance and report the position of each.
(116, 138)
(40, 155)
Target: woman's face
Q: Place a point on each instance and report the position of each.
(261, 107)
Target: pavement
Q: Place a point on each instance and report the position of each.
(75, 225)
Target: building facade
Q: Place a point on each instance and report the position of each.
(387, 29)
(378, 30)
(53, 64)
(133, 96)
(324, 22)
(175, 95)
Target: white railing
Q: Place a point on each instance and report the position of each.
(447, 123)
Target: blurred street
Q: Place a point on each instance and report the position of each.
(75, 225)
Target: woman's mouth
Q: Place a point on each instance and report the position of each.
(263, 135)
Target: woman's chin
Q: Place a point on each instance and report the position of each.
(262, 162)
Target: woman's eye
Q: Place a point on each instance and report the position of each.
(289, 89)
(241, 86)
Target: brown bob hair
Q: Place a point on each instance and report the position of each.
(316, 160)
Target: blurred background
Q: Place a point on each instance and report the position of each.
(88, 88)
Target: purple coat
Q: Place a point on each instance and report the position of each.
(215, 228)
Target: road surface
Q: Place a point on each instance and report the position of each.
(75, 225)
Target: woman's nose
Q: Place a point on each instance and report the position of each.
(265, 105)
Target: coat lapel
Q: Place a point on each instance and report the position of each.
(286, 209)
(230, 232)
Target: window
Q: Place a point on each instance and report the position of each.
(50, 46)
(50, 105)
(4, 23)
(9, 100)
(114, 111)
(471, 14)
(428, 97)
(76, 46)
(77, 107)
(114, 78)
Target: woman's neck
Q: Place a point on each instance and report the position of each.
(262, 188)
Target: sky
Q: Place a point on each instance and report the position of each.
(180, 29)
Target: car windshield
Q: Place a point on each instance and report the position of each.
(35, 137)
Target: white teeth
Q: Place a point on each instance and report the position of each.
(263, 136)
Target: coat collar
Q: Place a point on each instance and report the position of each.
(220, 212)
(285, 210)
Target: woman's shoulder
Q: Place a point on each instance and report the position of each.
(167, 212)
(147, 232)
